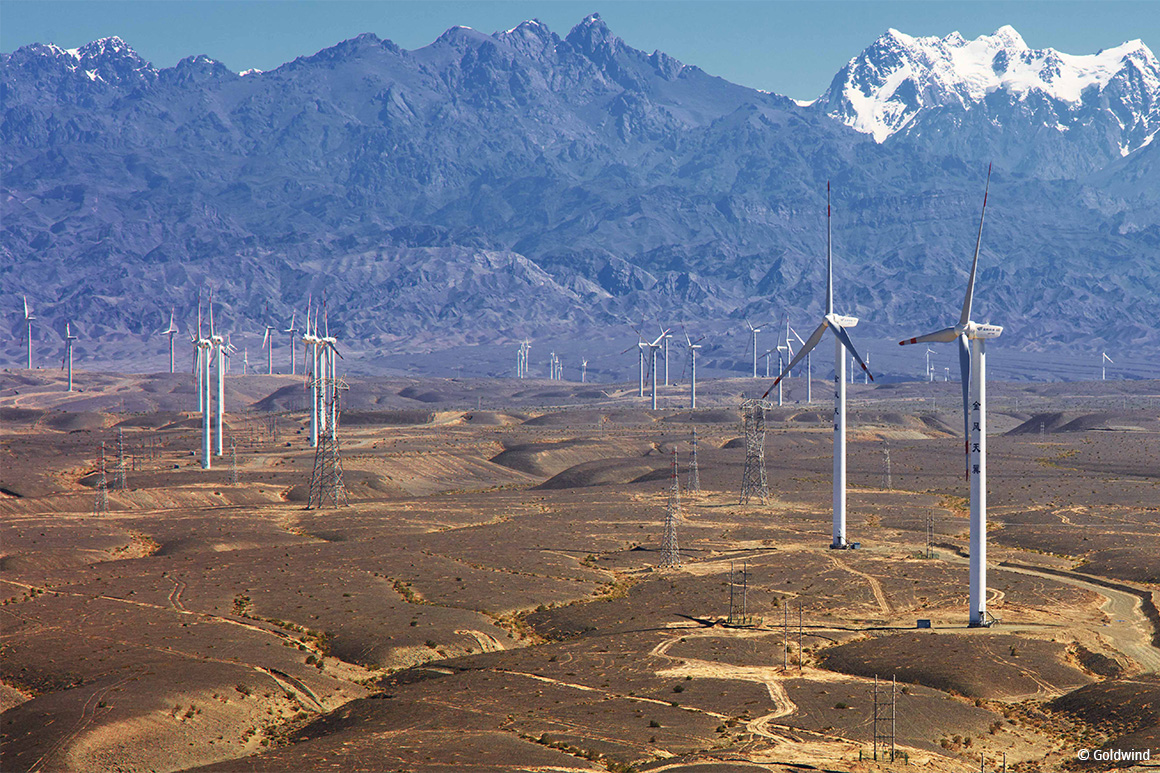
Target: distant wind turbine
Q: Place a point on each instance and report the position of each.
(292, 331)
(268, 343)
(170, 330)
(1104, 366)
(28, 329)
(68, 352)
(972, 341)
(838, 325)
(692, 346)
(753, 331)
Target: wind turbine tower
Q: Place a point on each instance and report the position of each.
(838, 324)
(583, 371)
(653, 348)
(28, 330)
(268, 344)
(68, 352)
(972, 340)
(929, 369)
(218, 349)
(693, 346)
(1104, 360)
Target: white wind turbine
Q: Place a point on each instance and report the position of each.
(753, 331)
(809, 361)
(693, 346)
(653, 348)
(838, 325)
(972, 340)
(201, 363)
(170, 331)
(268, 344)
(929, 370)
(28, 329)
(583, 371)
(329, 347)
(219, 352)
(1104, 366)
(68, 352)
(292, 331)
(310, 343)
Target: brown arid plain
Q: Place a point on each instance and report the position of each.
(490, 598)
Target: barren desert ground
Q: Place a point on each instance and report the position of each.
(490, 599)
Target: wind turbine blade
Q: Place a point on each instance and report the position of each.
(944, 336)
(966, 315)
(965, 376)
(26, 307)
(840, 332)
(829, 258)
(802, 352)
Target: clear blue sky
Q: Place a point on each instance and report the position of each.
(792, 48)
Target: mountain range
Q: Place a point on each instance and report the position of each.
(490, 187)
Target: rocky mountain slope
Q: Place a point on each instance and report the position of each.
(487, 187)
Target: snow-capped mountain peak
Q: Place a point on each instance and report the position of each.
(891, 85)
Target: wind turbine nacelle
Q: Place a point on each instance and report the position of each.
(843, 321)
(984, 331)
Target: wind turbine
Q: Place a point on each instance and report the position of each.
(1104, 366)
(641, 345)
(196, 340)
(972, 340)
(809, 363)
(310, 343)
(838, 324)
(219, 353)
(291, 331)
(28, 329)
(693, 346)
(667, 360)
(929, 371)
(583, 371)
(753, 331)
(329, 384)
(268, 344)
(201, 361)
(68, 352)
(170, 331)
(655, 347)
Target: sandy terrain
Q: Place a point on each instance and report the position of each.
(489, 600)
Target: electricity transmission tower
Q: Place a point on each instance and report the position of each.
(753, 480)
(739, 616)
(884, 721)
(886, 461)
(119, 473)
(233, 463)
(670, 551)
(326, 483)
(930, 534)
(101, 503)
(694, 483)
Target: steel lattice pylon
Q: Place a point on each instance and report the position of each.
(326, 485)
(119, 473)
(884, 719)
(670, 550)
(753, 480)
(233, 463)
(101, 503)
(694, 471)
